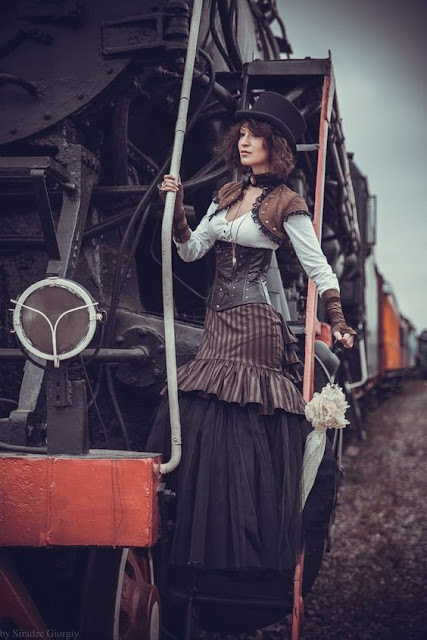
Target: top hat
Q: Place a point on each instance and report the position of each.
(278, 111)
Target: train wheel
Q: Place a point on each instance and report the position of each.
(119, 601)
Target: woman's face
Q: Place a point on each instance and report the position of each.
(252, 150)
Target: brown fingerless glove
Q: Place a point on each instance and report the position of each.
(332, 300)
(180, 230)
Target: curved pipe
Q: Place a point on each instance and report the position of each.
(222, 50)
(199, 179)
(202, 181)
(363, 366)
(224, 96)
(190, 125)
(133, 218)
(168, 305)
(230, 38)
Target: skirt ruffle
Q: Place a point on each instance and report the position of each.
(241, 383)
(247, 356)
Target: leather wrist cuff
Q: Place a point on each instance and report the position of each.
(182, 236)
(332, 301)
(180, 230)
(330, 293)
(179, 206)
(179, 218)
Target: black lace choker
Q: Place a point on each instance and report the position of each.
(265, 180)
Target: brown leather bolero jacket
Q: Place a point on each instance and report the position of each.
(271, 209)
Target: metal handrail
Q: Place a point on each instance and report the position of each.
(363, 367)
(328, 93)
(167, 282)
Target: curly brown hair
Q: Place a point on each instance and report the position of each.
(281, 158)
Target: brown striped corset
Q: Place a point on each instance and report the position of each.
(243, 283)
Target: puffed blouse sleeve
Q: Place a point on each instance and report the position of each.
(201, 239)
(299, 227)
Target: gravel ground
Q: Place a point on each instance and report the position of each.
(370, 586)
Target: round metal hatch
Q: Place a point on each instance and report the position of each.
(55, 319)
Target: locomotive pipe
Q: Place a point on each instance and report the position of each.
(121, 271)
(200, 178)
(222, 50)
(211, 165)
(145, 200)
(167, 282)
(141, 224)
(224, 96)
(363, 366)
(265, 17)
(193, 183)
(260, 22)
(230, 38)
(11, 241)
(103, 355)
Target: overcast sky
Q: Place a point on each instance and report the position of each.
(379, 54)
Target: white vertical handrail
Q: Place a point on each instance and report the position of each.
(168, 304)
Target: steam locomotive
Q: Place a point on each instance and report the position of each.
(89, 94)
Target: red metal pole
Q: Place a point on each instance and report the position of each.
(311, 311)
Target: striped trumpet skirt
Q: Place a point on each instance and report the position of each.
(243, 434)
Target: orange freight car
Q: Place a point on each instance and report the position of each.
(390, 330)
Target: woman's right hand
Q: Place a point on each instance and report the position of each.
(170, 183)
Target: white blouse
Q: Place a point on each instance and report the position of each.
(246, 232)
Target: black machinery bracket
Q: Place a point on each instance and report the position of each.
(167, 29)
(78, 179)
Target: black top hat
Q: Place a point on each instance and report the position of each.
(278, 111)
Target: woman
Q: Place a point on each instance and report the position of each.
(242, 417)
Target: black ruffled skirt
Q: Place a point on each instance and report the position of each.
(243, 434)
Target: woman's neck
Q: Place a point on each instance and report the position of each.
(265, 179)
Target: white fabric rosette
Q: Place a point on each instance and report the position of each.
(326, 410)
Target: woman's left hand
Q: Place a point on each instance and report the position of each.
(345, 338)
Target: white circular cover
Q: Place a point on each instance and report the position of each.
(65, 323)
